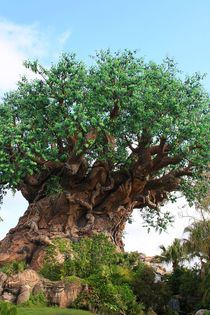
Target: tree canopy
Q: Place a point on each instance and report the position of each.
(140, 117)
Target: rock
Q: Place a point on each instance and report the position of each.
(8, 297)
(38, 259)
(24, 295)
(202, 312)
(17, 288)
(151, 312)
(62, 294)
(59, 257)
(70, 294)
(3, 278)
(39, 287)
(29, 277)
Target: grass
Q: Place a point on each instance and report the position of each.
(49, 311)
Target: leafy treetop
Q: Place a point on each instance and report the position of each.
(123, 110)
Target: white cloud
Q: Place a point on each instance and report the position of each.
(64, 37)
(17, 43)
(21, 42)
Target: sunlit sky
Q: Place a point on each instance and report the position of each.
(155, 28)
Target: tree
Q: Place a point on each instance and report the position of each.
(174, 254)
(87, 145)
(198, 242)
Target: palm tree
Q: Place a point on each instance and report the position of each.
(174, 254)
(198, 242)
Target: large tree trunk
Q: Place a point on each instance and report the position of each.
(89, 208)
(98, 201)
(59, 216)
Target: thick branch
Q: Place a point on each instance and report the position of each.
(163, 161)
(167, 182)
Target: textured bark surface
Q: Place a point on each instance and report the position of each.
(91, 200)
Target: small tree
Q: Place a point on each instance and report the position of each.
(174, 254)
(87, 145)
(198, 242)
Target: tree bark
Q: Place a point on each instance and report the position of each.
(98, 201)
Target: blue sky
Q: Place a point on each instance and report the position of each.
(156, 28)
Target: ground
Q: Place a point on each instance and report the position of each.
(50, 311)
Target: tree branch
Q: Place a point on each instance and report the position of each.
(159, 163)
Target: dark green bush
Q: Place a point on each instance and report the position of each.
(148, 291)
(105, 297)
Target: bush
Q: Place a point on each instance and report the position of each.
(147, 291)
(13, 267)
(89, 255)
(109, 275)
(38, 299)
(189, 282)
(81, 259)
(105, 297)
(52, 269)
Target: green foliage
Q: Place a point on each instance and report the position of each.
(205, 287)
(193, 288)
(122, 275)
(90, 255)
(13, 267)
(174, 254)
(81, 259)
(189, 282)
(53, 186)
(108, 298)
(130, 260)
(148, 291)
(50, 311)
(197, 243)
(7, 309)
(38, 299)
(156, 218)
(94, 262)
(52, 269)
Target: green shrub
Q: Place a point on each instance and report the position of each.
(89, 255)
(109, 274)
(7, 309)
(106, 298)
(130, 260)
(122, 275)
(189, 282)
(13, 267)
(148, 291)
(81, 258)
(51, 269)
(38, 299)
